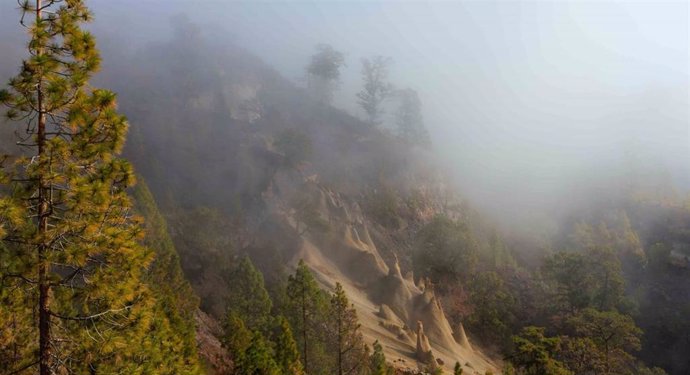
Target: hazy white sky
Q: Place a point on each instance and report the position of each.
(520, 97)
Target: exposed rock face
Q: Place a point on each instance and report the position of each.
(387, 303)
(393, 291)
(211, 350)
(461, 337)
(423, 351)
(387, 314)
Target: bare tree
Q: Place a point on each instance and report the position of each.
(376, 87)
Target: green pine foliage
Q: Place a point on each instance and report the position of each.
(74, 269)
(248, 296)
(614, 337)
(203, 239)
(457, 369)
(257, 343)
(306, 311)
(17, 339)
(237, 337)
(578, 280)
(286, 352)
(377, 361)
(600, 342)
(447, 251)
(493, 306)
(257, 359)
(176, 302)
(347, 341)
(535, 354)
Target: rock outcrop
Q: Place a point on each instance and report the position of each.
(423, 351)
(387, 303)
(210, 348)
(461, 337)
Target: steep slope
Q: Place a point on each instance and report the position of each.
(176, 302)
(206, 132)
(406, 318)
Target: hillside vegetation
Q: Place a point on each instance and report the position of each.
(272, 233)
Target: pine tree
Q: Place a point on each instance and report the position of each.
(615, 334)
(348, 340)
(377, 361)
(248, 296)
(493, 306)
(237, 337)
(174, 326)
(457, 370)
(305, 312)
(17, 339)
(535, 353)
(258, 358)
(72, 256)
(287, 354)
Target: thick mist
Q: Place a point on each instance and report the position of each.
(564, 127)
(533, 107)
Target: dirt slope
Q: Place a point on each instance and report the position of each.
(406, 318)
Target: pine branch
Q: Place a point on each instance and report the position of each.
(25, 279)
(90, 317)
(17, 371)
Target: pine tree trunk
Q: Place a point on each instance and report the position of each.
(304, 330)
(43, 286)
(340, 346)
(604, 296)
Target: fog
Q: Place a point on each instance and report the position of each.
(563, 125)
(528, 103)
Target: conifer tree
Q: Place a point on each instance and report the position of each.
(286, 352)
(72, 262)
(17, 341)
(257, 359)
(377, 361)
(345, 333)
(237, 337)
(248, 296)
(457, 370)
(174, 325)
(535, 353)
(305, 311)
(614, 334)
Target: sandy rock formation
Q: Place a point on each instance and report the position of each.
(423, 351)
(461, 337)
(387, 303)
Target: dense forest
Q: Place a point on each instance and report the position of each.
(238, 223)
